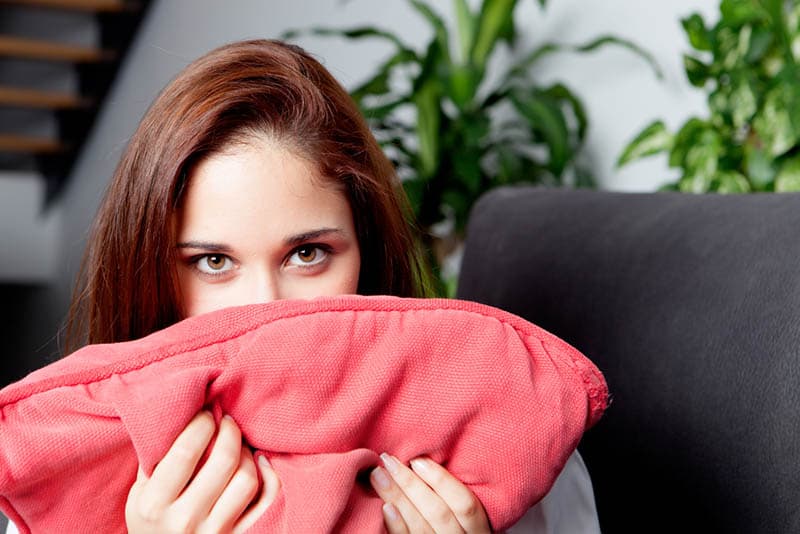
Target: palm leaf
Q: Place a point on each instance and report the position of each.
(547, 120)
(523, 67)
(493, 19)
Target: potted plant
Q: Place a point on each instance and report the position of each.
(453, 133)
(750, 140)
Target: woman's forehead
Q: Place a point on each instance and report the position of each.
(260, 185)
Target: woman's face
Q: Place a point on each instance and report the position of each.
(258, 224)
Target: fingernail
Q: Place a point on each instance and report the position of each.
(380, 479)
(228, 418)
(390, 463)
(263, 463)
(420, 465)
(390, 512)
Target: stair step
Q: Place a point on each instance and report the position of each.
(107, 6)
(30, 145)
(47, 50)
(31, 98)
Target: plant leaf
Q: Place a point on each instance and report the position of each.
(697, 71)
(624, 43)
(760, 167)
(467, 24)
(774, 124)
(462, 85)
(415, 189)
(737, 12)
(730, 182)
(760, 43)
(652, 140)
(426, 99)
(493, 19)
(546, 119)
(684, 140)
(523, 66)
(440, 30)
(696, 30)
(382, 111)
(562, 92)
(775, 8)
(788, 178)
(365, 32)
(694, 183)
(379, 83)
(742, 102)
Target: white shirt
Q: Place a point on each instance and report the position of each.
(568, 507)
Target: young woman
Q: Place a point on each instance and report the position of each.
(253, 177)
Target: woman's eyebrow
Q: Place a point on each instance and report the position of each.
(299, 239)
(205, 245)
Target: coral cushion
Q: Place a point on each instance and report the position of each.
(321, 387)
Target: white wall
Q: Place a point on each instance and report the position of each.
(620, 91)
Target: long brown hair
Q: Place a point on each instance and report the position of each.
(127, 286)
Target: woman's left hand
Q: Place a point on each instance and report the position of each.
(425, 498)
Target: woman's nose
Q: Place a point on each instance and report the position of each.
(263, 288)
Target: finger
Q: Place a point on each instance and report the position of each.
(131, 504)
(175, 470)
(430, 505)
(393, 520)
(388, 490)
(466, 508)
(269, 492)
(210, 481)
(236, 496)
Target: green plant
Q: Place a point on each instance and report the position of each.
(451, 131)
(747, 65)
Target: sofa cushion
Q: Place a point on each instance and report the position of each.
(321, 387)
(690, 305)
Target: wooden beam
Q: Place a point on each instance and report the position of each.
(18, 47)
(96, 6)
(31, 98)
(29, 145)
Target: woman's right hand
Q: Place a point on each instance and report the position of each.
(223, 496)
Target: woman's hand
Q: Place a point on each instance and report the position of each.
(218, 498)
(425, 498)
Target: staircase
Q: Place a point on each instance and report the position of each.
(57, 61)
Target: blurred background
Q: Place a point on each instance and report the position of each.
(60, 140)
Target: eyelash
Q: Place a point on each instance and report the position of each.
(324, 248)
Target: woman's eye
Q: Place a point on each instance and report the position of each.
(214, 264)
(307, 256)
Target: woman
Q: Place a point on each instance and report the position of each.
(253, 177)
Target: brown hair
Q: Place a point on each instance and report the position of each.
(127, 286)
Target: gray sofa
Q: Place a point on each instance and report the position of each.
(690, 305)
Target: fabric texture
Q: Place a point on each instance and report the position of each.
(321, 387)
(690, 306)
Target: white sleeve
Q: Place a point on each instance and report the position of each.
(11, 528)
(568, 507)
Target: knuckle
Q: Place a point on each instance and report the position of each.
(181, 522)
(247, 479)
(467, 508)
(183, 453)
(441, 515)
(148, 511)
(227, 459)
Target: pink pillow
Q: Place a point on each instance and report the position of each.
(322, 387)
